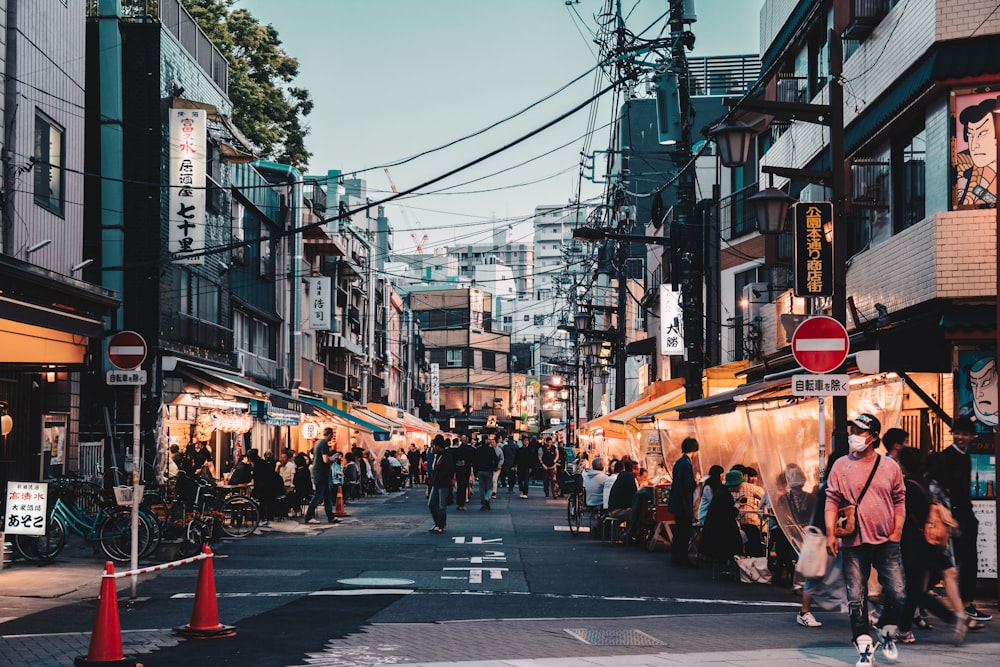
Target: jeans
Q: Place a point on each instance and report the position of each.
(322, 493)
(523, 480)
(437, 502)
(549, 481)
(485, 486)
(858, 564)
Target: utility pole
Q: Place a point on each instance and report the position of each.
(687, 230)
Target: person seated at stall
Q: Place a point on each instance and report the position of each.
(642, 506)
(721, 538)
(616, 469)
(712, 483)
(302, 482)
(623, 491)
(352, 477)
(243, 471)
(593, 483)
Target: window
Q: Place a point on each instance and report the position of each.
(539, 320)
(199, 297)
(489, 360)
(266, 261)
(239, 235)
(49, 155)
(908, 180)
(454, 358)
(251, 334)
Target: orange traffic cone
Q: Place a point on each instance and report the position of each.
(339, 509)
(106, 639)
(205, 615)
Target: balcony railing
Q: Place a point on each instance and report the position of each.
(736, 216)
(182, 25)
(189, 330)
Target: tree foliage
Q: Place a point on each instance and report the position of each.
(267, 108)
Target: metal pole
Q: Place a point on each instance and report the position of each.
(622, 329)
(822, 439)
(136, 463)
(838, 169)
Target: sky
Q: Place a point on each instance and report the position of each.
(392, 79)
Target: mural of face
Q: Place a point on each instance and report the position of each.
(982, 142)
(983, 382)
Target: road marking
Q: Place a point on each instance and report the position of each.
(278, 594)
(565, 529)
(476, 573)
(489, 556)
(478, 540)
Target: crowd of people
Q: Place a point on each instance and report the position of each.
(892, 495)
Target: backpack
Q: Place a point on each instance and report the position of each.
(937, 528)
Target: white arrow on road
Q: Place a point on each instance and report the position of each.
(478, 540)
(476, 573)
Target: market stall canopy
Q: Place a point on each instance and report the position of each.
(377, 431)
(610, 427)
(724, 402)
(408, 421)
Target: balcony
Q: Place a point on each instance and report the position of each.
(736, 217)
(864, 16)
(188, 330)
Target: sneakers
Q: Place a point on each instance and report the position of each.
(865, 653)
(906, 638)
(313, 520)
(264, 524)
(806, 619)
(524, 495)
(437, 529)
(921, 622)
(887, 642)
(977, 615)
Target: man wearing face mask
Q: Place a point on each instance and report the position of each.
(875, 543)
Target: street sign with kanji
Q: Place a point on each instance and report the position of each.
(821, 385)
(820, 344)
(126, 350)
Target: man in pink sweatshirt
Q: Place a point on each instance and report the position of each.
(875, 543)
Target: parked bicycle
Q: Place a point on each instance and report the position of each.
(576, 500)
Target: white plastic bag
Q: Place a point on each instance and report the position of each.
(753, 569)
(813, 559)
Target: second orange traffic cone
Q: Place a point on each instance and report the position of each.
(339, 509)
(205, 615)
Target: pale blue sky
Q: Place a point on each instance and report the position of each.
(393, 78)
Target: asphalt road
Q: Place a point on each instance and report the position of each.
(379, 588)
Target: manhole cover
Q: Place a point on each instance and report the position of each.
(603, 637)
(375, 581)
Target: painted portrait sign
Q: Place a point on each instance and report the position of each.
(974, 154)
(977, 388)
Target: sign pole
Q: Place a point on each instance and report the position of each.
(822, 438)
(136, 464)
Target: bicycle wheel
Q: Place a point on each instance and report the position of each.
(241, 515)
(49, 545)
(573, 512)
(194, 537)
(24, 545)
(155, 528)
(115, 535)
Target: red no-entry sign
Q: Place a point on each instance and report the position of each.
(126, 350)
(820, 344)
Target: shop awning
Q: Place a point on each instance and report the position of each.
(610, 426)
(719, 403)
(670, 399)
(405, 419)
(393, 427)
(378, 431)
(279, 404)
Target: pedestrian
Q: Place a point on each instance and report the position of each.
(321, 479)
(508, 477)
(413, 458)
(500, 463)
(462, 456)
(484, 462)
(681, 503)
(440, 478)
(525, 461)
(548, 457)
(267, 486)
(966, 540)
(874, 484)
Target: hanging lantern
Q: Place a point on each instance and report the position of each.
(6, 424)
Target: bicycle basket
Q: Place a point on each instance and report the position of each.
(570, 483)
(123, 494)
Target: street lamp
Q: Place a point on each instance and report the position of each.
(733, 139)
(771, 205)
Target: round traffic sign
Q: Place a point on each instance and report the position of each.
(126, 350)
(820, 344)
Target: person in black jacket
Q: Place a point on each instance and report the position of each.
(484, 462)
(681, 503)
(440, 479)
(721, 538)
(462, 456)
(525, 460)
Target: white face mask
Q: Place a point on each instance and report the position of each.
(857, 443)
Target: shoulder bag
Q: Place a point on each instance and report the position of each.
(847, 516)
(938, 527)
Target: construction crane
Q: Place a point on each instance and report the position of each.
(406, 216)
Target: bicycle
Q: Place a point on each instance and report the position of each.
(235, 515)
(576, 500)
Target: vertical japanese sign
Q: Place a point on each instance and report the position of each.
(320, 304)
(671, 333)
(814, 249)
(187, 185)
(436, 387)
(27, 506)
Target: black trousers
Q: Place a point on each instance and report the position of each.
(682, 538)
(462, 486)
(966, 556)
(523, 479)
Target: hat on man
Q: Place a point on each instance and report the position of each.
(734, 478)
(867, 422)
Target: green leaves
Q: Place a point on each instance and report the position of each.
(267, 108)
